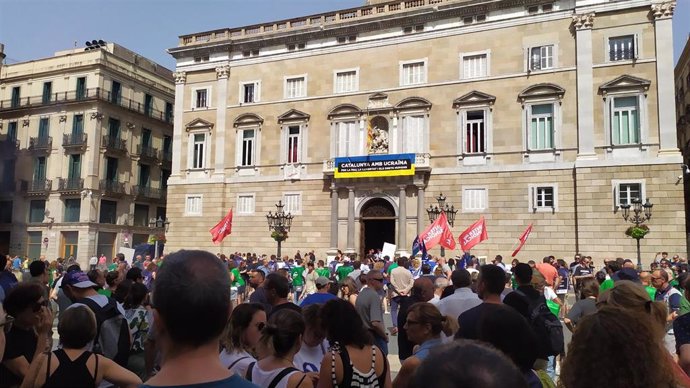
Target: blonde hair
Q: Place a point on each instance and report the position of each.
(427, 313)
(632, 296)
(416, 263)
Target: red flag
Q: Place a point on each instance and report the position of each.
(222, 229)
(523, 239)
(438, 233)
(473, 235)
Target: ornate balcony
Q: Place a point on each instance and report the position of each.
(112, 188)
(41, 144)
(69, 186)
(74, 141)
(114, 145)
(37, 187)
(147, 193)
(150, 154)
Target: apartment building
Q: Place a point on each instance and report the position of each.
(543, 112)
(86, 140)
(682, 78)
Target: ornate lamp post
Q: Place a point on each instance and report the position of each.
(157, 224)
(435, 211)
(279, 224)
(641, 213)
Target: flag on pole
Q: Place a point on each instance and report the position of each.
(465, 261)
(417, 246)
(523, 239)
(438, 233)
(222, 229)
(473, 235)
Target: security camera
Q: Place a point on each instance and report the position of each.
(686, 169)
(680, 177)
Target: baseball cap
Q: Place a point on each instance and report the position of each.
(322, 281)
(77, 279)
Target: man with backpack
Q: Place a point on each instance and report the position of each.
(532, 305)
(112, 332)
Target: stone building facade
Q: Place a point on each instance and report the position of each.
(86, 140)
(682, 78)
(545, 112)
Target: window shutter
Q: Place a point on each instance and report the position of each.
(526, 59)
(284, 139)
(533, 195)
(636, 47)
(238, 147)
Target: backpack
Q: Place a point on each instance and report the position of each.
(112, 331)
(546, 326)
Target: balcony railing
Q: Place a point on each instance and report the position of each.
(150, 153)
(147, 192)
(74, 140)
(70, 184)
(85, 95)
(41, 143)
(115, 144)
(37, 186)
(112, 188)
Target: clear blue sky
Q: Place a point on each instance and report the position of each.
(32, 29)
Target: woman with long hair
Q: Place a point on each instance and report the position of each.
(353, 360)
(73, 365)
(349, 290)
(589, 291)
(423, 326)
(139, 322)
(282, 337)
(611, 338)
(242, 335)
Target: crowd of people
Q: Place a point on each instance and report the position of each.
(193, 318)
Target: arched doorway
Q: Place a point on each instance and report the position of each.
(377, 222)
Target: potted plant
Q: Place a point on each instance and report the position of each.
(637, 232)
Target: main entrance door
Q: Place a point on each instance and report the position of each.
(377, 222)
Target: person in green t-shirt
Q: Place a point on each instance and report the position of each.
(391, 267)
(646, 280)
(322, 270)
(237, 284)
(606, 285)
(344, 270)
(297, 275)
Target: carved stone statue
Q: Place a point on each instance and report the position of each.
(379, 141)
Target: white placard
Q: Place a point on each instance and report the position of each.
(129, 254)
(388, 250)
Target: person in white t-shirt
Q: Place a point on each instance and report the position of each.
(314, 344)
(242, 336)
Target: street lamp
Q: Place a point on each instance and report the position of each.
(641, 213)
(279, 224)
(435, 211)
(159, 223)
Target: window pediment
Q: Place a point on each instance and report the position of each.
(199, 124)
(247, 120)
(344, 110)
(414, 103)
(474, 98)
(625, 82)
(540, 91)
(293, 115)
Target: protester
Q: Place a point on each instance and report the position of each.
(277, 289)
(139, 322)
(257, 277)
(298, 278)
(467, 364)
(73, 365)
(39, 275)
(29, 335)
(681, 331)
(282, 335)
(369, 308)
(349, 290)
(423, 325)
(314, 344)
(322, 294)
(8, 280)
(6, 323)
(310, 277)
(189, 318)
(489, 287)
(242, 336)
(439, 285)
(671, 297)
(422, 291)
(401, 281)
(585, 306)
(462, 298)
(353, 360)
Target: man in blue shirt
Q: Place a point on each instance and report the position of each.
(321, 295)
(671, 297)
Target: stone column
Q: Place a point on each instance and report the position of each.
(334, 219)
(420, 210)
(663, 41)
(222, 73)
(180, 79)
(350, 220)
(585, 88)
(402, 221)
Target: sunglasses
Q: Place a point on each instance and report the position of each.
(7, 325)
(36, 307)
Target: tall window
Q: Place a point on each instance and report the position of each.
(74, 168)
(33, 245)
(293, 144)
(346, 81)
(474, 66)
(148, 104)
(108, 213)
(111, 169)
(193, 205)
(115, 92)
(541, 57)
(5, 212)
(141, 215)
(413, 133)
(144, 175)
(15, 97)
(543, 198)
(293, 203)
(625, 122)
(165, 175)
(106, 243)
(81, 88)
(78, 125)
(37, 210)
(245, 204)
(40, 169)
(12, 131)
(168, 112)
(43, 128)
(475, 136)
(72, 210)
(346, 138)
(249, 92)
(113, 128)
(248, 147)
(47, 92)
(413, 73)
(541, 127)
(145, 138)
(201, 98)
(474, 199)
(199, 150)
(622, 48)
(295, 87)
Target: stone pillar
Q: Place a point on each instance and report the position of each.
(334, 219)
(663, 41)
(421, 213)
(222, 73)
(350, 220)
(402, 221)
(585, 88)
(180, 79)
